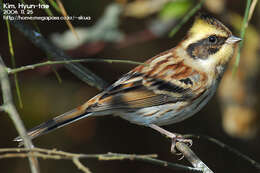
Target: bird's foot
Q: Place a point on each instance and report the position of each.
(179, 138)
(174, 138)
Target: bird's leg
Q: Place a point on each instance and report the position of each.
(173, 136)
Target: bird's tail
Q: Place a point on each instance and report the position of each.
(55, 123)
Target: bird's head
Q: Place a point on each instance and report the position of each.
(209, 43)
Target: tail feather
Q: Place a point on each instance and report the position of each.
(55, 123)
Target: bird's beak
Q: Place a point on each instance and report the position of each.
(232, 39)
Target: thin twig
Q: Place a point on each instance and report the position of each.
(11, 50)
(80, 166)
(192, 157)
(30, 67)
(47, 10)
(6, 153)
(54, 5)
(10, 109)
(252, 9)
(186, 18)
(242, 35)
(227, 147)
(64, 13)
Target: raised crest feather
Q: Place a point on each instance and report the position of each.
(210, 20)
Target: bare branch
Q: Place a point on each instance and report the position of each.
(80, 166)
(33, 66)
(192, 157)
(61, 155)
(227, 147)
(10, 109)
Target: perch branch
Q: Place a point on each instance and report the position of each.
(192, 157)
(61, 155)
(10, 109)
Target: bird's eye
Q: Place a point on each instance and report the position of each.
(212, 39)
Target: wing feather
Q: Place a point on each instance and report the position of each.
(165, 80)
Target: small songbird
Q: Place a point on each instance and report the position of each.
(167, 88)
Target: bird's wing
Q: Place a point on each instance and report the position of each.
(165, 79)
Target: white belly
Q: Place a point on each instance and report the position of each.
(168, 113)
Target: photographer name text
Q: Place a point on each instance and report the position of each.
(25, 6)
(21, 11)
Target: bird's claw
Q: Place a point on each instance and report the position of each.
(179, 138)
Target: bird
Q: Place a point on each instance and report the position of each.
(166, 89)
